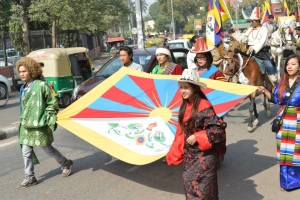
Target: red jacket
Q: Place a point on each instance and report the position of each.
(175, 154)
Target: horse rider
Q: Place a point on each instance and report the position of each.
(234, 44)
(219, 48)
(257, 37)
(297, 43)
(270, 25)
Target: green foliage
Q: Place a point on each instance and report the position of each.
(160, 24)
(5, 13)
(155, 12)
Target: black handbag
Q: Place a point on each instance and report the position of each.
(277, 122)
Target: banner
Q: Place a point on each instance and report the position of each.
(133, 115)
(197, 24)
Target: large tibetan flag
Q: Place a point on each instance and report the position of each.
(214, 32)
(286, 11)
(132, 115)
(267, 12)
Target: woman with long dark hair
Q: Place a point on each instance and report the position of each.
(193, 144)
(287, 139)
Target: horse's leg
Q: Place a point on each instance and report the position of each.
(251, 108)
(255, 121)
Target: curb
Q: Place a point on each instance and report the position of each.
(8, 132)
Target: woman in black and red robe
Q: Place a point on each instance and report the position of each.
(198, 134)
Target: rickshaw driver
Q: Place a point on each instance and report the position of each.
(126, 57)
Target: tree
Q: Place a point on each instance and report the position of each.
(144, 6)
(5, 14)
(183, 10)
(67, 14)
(19, 22)
(154, 11)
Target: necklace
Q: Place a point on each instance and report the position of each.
(254, 38)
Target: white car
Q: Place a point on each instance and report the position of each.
(12, 56)
(5, 88)
(180, 44)
(2, 64)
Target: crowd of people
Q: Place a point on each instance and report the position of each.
(200, 154)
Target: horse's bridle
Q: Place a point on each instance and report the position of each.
(239, 71)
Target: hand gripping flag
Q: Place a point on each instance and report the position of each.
(132, 115)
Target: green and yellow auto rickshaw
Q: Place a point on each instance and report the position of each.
(154, 42)
(64, 69)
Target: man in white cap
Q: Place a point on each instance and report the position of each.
(257, 36)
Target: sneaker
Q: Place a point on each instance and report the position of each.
(27, 183)
(67, 170)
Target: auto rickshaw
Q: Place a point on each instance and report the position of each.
(63, 70)
(153, 42)
(187, 36)
(115, 43)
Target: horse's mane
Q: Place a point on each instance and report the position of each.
(240, 52)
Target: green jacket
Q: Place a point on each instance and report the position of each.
(38, 117)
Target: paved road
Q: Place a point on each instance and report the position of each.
(249, 171)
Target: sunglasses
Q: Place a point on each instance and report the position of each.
(200, 58)
(252, 21)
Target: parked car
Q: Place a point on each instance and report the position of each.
(4, 87)
(144, 57)
(2, 64)
(183, 43)
(16, 80)
(12, 56)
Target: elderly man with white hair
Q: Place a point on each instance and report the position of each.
(256, 37)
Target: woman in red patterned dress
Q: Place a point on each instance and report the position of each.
(206, 69)
(198, 131)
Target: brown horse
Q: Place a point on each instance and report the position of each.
(236, 64)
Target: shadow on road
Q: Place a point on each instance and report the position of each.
(241, 163)
(239, 167)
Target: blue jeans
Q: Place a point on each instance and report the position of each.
(271, 69)
(28, 161)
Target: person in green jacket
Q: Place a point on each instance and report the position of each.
(38, 120)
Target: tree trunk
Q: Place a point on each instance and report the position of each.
(54, 33)
(25, 30)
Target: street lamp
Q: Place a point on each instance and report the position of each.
(173, 23)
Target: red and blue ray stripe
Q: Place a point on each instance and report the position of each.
(136, 97)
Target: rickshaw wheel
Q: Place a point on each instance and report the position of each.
(65, 100)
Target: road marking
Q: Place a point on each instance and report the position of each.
(133, 168)
(8, 143)
(15, 123)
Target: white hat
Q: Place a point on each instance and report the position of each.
(255, 15)
(163, 51)
(191, 76)
(201, 46)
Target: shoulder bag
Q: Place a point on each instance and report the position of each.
(277, 121)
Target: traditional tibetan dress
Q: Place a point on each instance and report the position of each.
(38, 114)
(214, 73)
(288, 138)
(172, 69)
(199, 160)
